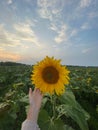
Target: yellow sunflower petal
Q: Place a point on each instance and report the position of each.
(50, 76)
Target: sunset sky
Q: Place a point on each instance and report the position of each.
(65, 29)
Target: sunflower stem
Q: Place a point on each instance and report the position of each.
(54, 106)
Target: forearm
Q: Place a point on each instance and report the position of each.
(32, 114)
(31, 122)
(35, 99)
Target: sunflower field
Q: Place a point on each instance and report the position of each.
(76, 109)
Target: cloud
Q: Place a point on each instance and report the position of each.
(22, 40)
(53, 27)
(62, 35)
(22, 32)
(25, 33)
(85, 26)
(87, 50)
(8, 56)
(93, 15)
(74, 32)
(7, 38)
(9, 2)
(50, 9)
(53, 11)
(85, 3)
(2, 49)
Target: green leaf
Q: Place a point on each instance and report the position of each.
(47, 123)
(43, 119)
(13, 115)
(4, 106)
(66, 127)
(25, 99)
(72, 108)
(45, 99)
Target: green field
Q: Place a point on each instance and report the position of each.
(77, 109)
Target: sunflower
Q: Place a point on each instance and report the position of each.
(50, 76)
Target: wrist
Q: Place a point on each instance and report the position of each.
(32, 114)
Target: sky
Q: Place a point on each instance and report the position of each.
(30, 30)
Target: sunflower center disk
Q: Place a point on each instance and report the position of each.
(50, 75)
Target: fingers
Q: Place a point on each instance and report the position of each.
(30, 92)
(36, 90)
(35, 97)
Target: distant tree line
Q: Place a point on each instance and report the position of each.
(10, 63)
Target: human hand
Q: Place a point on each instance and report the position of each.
(35, 98)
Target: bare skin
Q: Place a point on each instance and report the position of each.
(35, 99)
